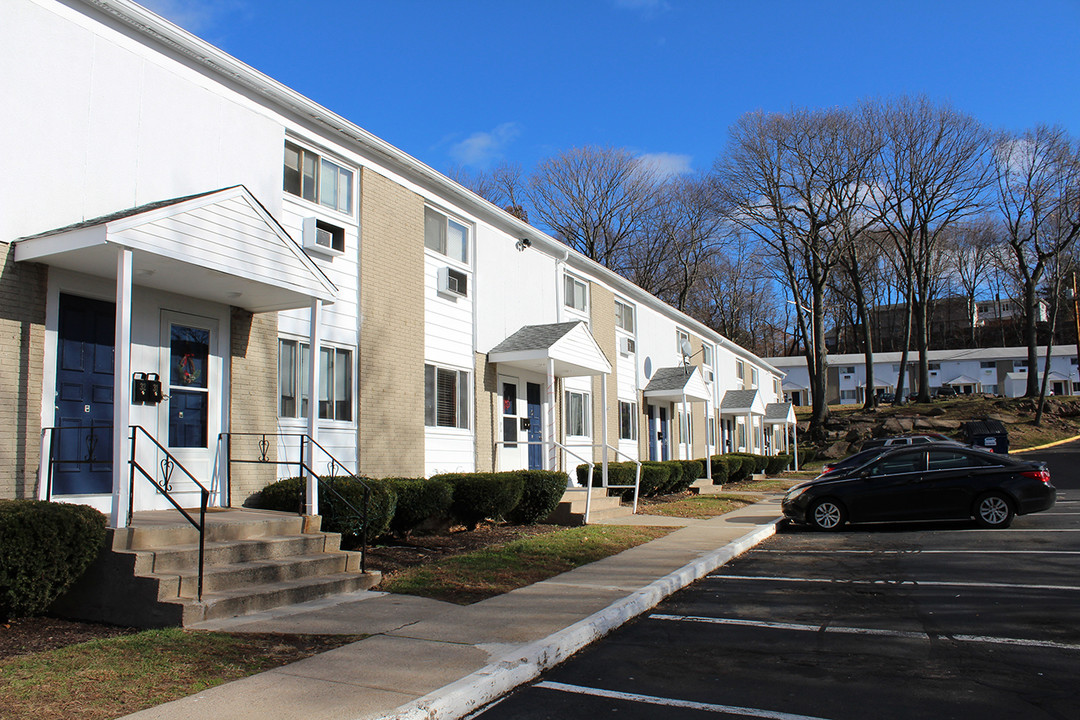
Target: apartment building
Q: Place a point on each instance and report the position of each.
(208, 278)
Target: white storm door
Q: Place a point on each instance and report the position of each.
(513, 452)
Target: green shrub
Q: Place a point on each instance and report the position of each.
(675, 474)
(807, 454)
(777, 464)
(542, 491)
(654, 476)
(619, 473)
(44, 548)
(692, 470)
(741, 467)
(719, 468)
(419, 501)
(483, 495)
(288, 496)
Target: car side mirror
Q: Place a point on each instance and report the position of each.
(864, 474)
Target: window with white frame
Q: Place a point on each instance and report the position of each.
(335, 381)
(753, 377)
(446, 397)
(987, 364)
(686, 428)
(680, 335)
(847, 395)
(740, 373)
(627, 420)
(1020, 364)
(776, 387)
(711, 426)
(575, 293)
(578, 411)
(445, 235)
(624, 316)
(707, 362)
(318, 179)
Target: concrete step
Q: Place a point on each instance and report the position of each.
(180, 557)
(230, 603)
(704, 486)
(571, 510)
(611, 512)
(173, 530)
(249, 575)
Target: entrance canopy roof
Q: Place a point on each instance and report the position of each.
(742, 402)
(962, 380)
(878, 383)
(779, 414)
(570, 345)
(675, 383)
(221, 246)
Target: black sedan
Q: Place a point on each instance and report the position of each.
(930, 482)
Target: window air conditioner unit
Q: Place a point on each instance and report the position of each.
(453, 282)
(708, 373)
(323, 237)
(627, 346)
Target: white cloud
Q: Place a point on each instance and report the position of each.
(481, 149)
(195, 16)
(668, 164)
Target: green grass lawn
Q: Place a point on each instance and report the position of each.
(698, 507)
(117, 676)
(481, 574)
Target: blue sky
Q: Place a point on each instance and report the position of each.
(478, 82)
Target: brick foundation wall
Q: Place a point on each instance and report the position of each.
(391, 412)
(22, 350)
(486, 396)
(253, 369)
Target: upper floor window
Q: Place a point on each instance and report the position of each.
(315, 178)
(740, 373)
(681, 335)
(576, 293)
(707, 362)
(753, 377)
(988, 364)
(849, 370)
(624, 316)
(446, 236)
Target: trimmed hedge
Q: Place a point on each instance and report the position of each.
(692, 470)
(654, 477)
(542, 491)
(619, 473)
(778, 463)
(44, 548)
(288, 496)
(483, 495)
(741, 467)
(720, 468)
(419, 502)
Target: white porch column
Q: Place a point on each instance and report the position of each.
(311, 505)
(710, 422)
(121, 432)
(750, 433)
(684, 428)
(603, 430)
(549, 425)
(795, 442)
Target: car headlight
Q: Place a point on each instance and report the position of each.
(794, 493)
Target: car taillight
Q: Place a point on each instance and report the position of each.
(1041, 475)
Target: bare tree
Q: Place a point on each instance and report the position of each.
(503, 186)
(594, 199)
(932, 174)
(782, 181)
(969, 249)
(1037, 177)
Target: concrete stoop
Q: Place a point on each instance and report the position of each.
(571, 509)
(704, 486)
(255, 560)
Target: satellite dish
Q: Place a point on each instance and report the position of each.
(648, 368)
(684, 345)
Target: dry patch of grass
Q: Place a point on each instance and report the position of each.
(117, 676)
(478, 575)
(697, 507)
(777, 484)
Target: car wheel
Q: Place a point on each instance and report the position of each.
(994, 510)
(827, 515)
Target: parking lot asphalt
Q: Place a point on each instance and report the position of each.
(914, 620)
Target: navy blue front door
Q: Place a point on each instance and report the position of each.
(84, 397)
(663, 434)
(536, 452)
(652, 431)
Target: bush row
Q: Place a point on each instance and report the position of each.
(403, 505)
(738, 467)
(44, 548)
(657, 478)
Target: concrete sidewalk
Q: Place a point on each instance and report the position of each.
(430, 659)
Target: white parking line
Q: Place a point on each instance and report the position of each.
(921, 552)
(671, 702)
(841, 630)
(913, 583)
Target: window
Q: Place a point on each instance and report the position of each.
(902, 463)
(575, 293)
(848, 395)
(624, 316)
(711, 431)
(686, 429)
(335, 381)
(317, 179)
(934, 366)
(446, 397)
(681, 335)
(578, 411)
(753, 377)
(777, 388)
(707, 362)
(322, 236)
(988, 364)
(446, 236)
(849, 370)
(627, 420)
(953, 460)
(740, 372)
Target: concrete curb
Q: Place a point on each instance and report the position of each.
(457, 699)
(1047, 445)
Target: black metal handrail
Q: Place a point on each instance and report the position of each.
(306, 442)
(168, 464)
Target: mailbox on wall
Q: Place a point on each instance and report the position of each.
(146, 388)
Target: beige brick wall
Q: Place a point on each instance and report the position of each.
(602, 326)
(253, 399)
(22, 348)
(486, 397)
(391, 412)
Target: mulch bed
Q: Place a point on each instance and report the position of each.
(23, 636)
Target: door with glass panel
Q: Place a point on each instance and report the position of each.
(513, 454)
(189, 416)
